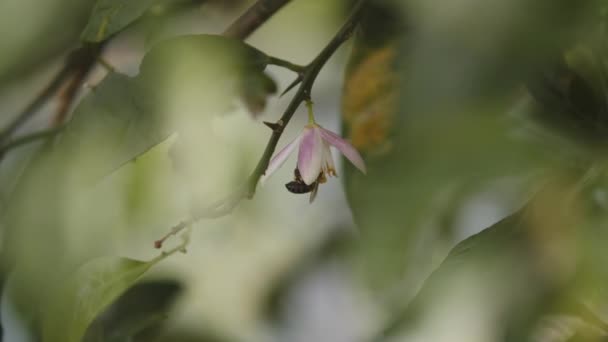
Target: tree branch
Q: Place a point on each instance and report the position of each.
(286, 64)
(84, 61)
(77, 66)
(304, 91)
(80, 62)
(253, 18)
(28, 138)
(308, 77)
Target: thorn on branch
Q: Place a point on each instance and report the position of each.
(292, 85)
(275, 126)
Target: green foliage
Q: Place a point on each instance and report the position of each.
(544, 259)
(118, 120)
(446, 128)
(123, 117)
(112, 16)
(137, 315)
(86, 293)
(52, 28)
(114, 120)
(478, 96)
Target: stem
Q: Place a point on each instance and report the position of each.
(253, 18)
(26, 139)
(179, 248)
(311, 115)
(286, 64)
(308, 77)
(109, 68)
(31, 108)
(77, 66)
(85, 60)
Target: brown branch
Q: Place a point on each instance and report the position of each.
(28, 138)
(84, 61)
(77, 66)
(253, 18)
(308, 77)
(40, 100)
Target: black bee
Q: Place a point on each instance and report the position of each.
(297, 186)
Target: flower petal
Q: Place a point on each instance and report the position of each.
(345, 147)
(310, 155)
(279, 159)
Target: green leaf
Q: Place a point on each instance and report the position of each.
(546, 259)
(137, 314)
(86, 293)
(429, 142)
(214, 69)
(25, 49)
(116, 123)
(183, 82)
(111, 16)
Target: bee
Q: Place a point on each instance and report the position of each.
(297, 186)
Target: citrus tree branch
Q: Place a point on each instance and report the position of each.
(66, 82)
(28, 138)
(308, 77)
(306, 80)
(253, 18)
(79, 61)
(286, 64)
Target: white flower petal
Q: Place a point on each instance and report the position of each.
(279, 159)
(310, 156)
(345, 147)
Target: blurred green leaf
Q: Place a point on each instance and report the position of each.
(86, 293)
(111, 16)
(431, 111)
(118, 120)
(137, 314)
(123, 117)
(570, 102)
(208, 71)
(548, 258)
(34, 47)
(112, 121)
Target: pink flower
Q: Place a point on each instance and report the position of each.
(314, 155)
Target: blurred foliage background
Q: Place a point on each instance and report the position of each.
(483, 215)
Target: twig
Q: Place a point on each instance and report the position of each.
(286, 64)
(308, 77)
(77, 66)
(255, 16)
(179, 248)
(31, 108)
(28, 138)
(83, 65)
(104, 63)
